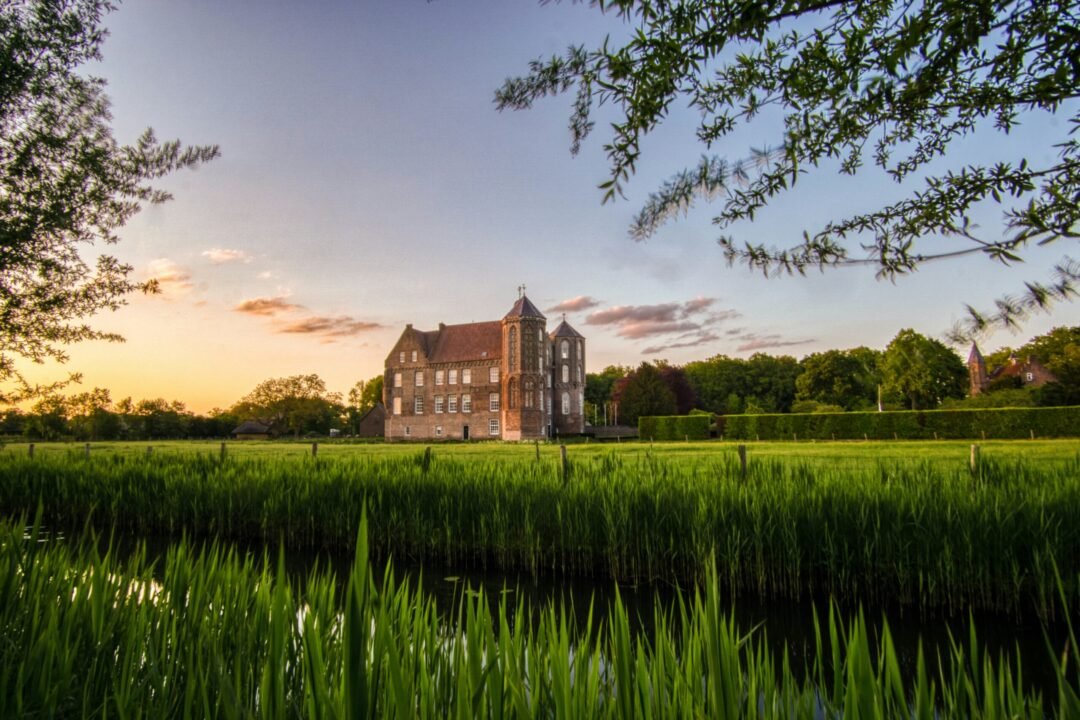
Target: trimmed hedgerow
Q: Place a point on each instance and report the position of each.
(995, 423)
(674, 427)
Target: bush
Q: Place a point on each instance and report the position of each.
(996, 423)
(674, 427)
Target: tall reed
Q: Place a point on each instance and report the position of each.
(917, 534)
(211, 635)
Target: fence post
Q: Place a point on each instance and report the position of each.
(974, 459)
(565, 464)
(425, 463)
(1032, 434)
(984, 435)
(149, 450)
(314, 449)
(742, 460)
(31, 448)
(87, 448)
(222, 450)
(537, 444)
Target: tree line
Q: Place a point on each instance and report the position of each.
(913, 372)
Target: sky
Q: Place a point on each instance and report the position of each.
(367, 181)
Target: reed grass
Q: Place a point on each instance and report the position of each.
(211, 634)
(917, 534)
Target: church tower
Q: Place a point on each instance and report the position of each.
(568, 380)
(523, 349)
(977, 375)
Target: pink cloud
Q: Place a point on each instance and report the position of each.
(576, 304)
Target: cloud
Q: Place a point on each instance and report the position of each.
(753, 341)
(220, 256)
(698, 304)
(692, 340)
(266, 275)
(577, 304)
(329, 327)
(266, 307)
(171, 279)
(635, 322)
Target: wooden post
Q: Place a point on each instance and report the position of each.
(895, 436)
(31, 449)
(974, 459)
(935, 435)
(314, 449)
(742, 460)
(426, 462)
(795, 437)
(223, 451)
(984, 435)
(537, 443)
(87, 451)
(1032, 434)
(865, 439)
(565, 464)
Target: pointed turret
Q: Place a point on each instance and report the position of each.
(977, 376)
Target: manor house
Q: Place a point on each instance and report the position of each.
(505, 379)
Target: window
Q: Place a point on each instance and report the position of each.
(438, 431)
(513, 399)
(493, 427)
(414, 356)
(419, 378)
(493, 375)
(564, 349)
(493, 402)
(565, 373)
(528, 393)
(452, 380)
(578, 368)
(511, 344)
(539, 362)
(397, 379)
(418, 405)
(579, 353)
(466, 376)
(401, 356)
(438, 404)
(451, 404)
(539, 336)
(566, 403)
(548, 404)
(408, 431)
(438, 377)
(397, 406)
(466, 403)
(549, 381)
(1030, 377)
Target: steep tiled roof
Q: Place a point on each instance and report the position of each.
(564, 330)
(524, 308)
(974, 356)
(471, 341)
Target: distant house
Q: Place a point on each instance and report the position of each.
(1027, 373)
(373, 422)
(252, 430)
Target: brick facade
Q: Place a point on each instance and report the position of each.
(1027, 373)
(503, 379)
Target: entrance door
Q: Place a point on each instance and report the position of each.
(465, 432)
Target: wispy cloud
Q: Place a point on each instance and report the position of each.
(677, 325)
(171, 279)
(753, 341)
(267, 307)
(341, 326)
(576, 304)
(220, 256)
(692, 340)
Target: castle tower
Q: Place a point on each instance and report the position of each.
(977, 375)
(523, 350)
(568, 380)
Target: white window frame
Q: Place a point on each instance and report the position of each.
(493, 374)
(466, 403)
(418, 378)
(466, 376)
(438, 431)
(414, 356)
(439, 377)
(418, 405)
(493, 426)
(397, 379)
(493, 402)
(438, 404)
(397, 405)
(564, 349)
(566, 403)
(452, 380)
(401, 357)
(451, 404)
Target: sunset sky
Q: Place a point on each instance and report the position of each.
(367, 181)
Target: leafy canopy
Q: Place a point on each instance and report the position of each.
(65, 183)
(896, 83)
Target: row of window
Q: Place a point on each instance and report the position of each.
(449, 402)
(449, 376)
(493, 429)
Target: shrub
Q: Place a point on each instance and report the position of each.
(674, 427)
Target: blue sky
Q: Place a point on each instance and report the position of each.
(366, 181)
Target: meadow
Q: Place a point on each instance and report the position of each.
(892, 523)
(208, 634)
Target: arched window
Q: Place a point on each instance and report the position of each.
(566, 403)
(579, 352)
(528, 393)
(564, 349)
(512, 347)
(566, 372)
(513, 394)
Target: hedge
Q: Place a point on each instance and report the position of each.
(992, 423)
(674, 427)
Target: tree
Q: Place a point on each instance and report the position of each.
(363, 396)
(836, 377)
(677, 382)
(641, 393)
(846, 83)
(719, 383)
(65, 183)
(921, 372)
(296, 404)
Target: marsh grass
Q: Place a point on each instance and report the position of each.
(916, 533)
(86, 635)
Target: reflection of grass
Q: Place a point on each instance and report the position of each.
(221, 638)
(824, 454)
